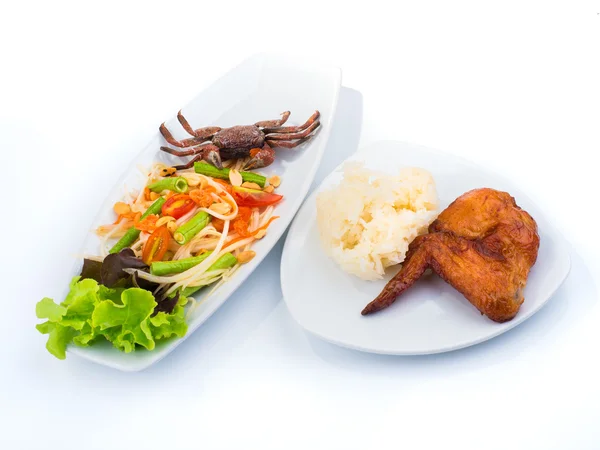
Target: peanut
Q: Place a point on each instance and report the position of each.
(246, 256)
(164, 220)
(269, 189)
(235, 178)
(193, 179)
(275, 181)
(261, 234)
(121, 208)
(154, 196)
(250, 185)
(220, 208)
(172, 226)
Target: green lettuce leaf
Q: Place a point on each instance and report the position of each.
(164, 325)
(47, 309)
(122, 316)
(130, 319)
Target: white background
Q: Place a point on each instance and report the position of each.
(513, 86)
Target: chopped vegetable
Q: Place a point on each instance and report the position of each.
(178, 206)
(121, 316)
(175, 184)
(254, 198)
(157, 245)
(133, 233)
(204, 168)
(191, 228)
(161, 268)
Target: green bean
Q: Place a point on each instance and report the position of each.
(133, 233)
(203, 168)
(176, 184)
(224, 262)
(191, 228)
(161, 268)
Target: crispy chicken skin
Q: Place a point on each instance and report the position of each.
(483, 245)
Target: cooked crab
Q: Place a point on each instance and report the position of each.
(214, 144)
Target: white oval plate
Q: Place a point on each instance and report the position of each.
(431, 317)
(260, 88)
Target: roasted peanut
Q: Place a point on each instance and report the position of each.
(275, 181)
(269, 189)
(164, 220)
(235, 178)
(261, 234)
(193, 179)
(250, 185)
(121, 208)
(220, 208)
(172, 226)
(246, 256)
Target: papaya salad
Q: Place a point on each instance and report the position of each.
(186, 229)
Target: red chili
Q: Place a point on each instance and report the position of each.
(156, 246)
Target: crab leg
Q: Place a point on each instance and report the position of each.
(193, 151)
(207, 152)
(190, 163)
(274, 123)
(294, 129)
(289, 136)
(201, 133)
(288, 144)
(181, 144)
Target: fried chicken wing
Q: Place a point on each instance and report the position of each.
(483, 245)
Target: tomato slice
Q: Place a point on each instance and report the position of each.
(178, 205)
(253, 197)
(156, 246)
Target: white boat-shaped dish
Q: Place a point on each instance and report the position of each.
(430, 317)
(260, 88)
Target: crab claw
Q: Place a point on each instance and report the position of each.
(261, 157)
(213, 157)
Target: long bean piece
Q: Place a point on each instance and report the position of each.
(224, 262)
(203, 168)
(191, 228)
(175, 184)
(133, 233)
(161, 268)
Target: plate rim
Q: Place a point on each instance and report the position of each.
(507, 325)
(336, 79)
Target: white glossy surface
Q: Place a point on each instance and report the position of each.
(257, 89)
(512, 86)
(431, 317)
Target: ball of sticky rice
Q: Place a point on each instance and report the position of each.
(367, 221)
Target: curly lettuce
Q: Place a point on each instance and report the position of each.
(124, 317)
